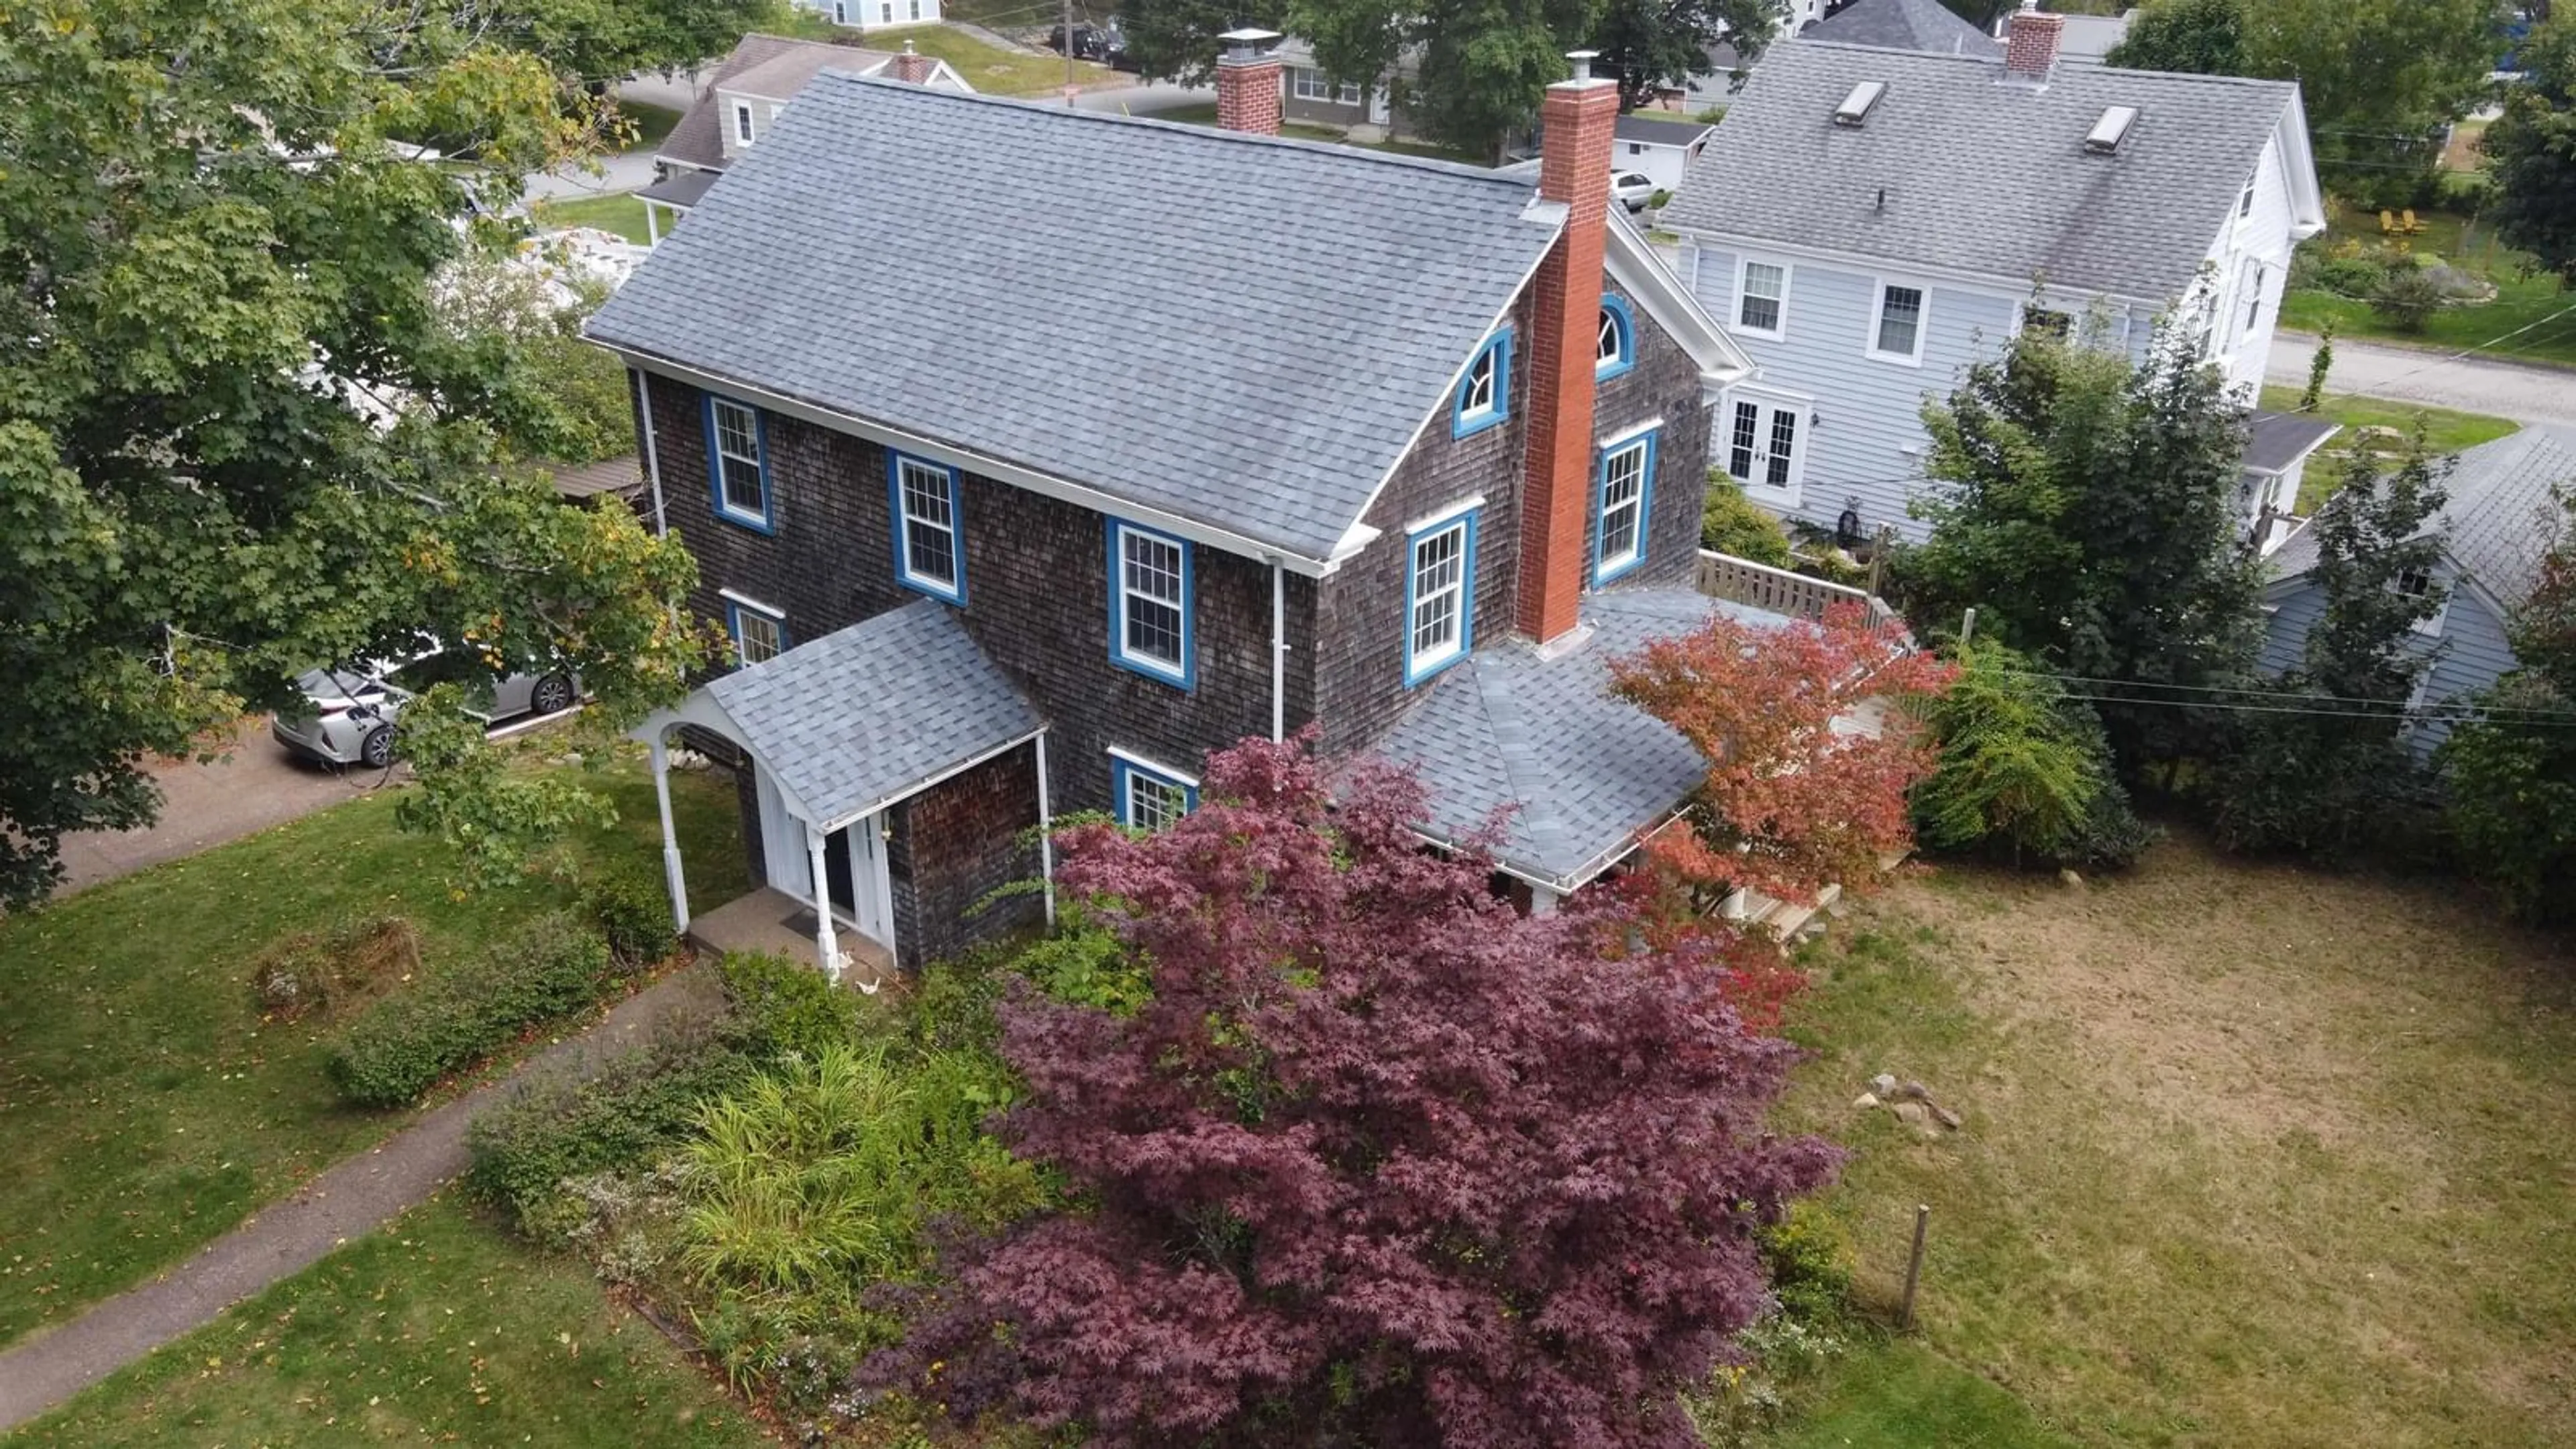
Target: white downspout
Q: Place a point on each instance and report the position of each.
(1278, 651)
(652, 455)
(671, 877)
(1046, 834)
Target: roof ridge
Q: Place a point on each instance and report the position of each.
(1336, 149)
(2080, 62)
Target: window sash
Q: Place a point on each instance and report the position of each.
(1748, 432)
(1153, 601)
(1623, 502)
(757, 636)
(1605, 342)
(1900, 321)
(1153, 803)
(1437, 630)
(742, 125)
(738, 461)
(929, 523)
(1759, 306)
(1784, 445)
(1480, 386)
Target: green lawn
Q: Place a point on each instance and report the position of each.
(651, 123)
(991, 70)
(2536, 303)
(146, 1105)
(1897, 1394)
(2445, 431)
(2253, 1155)
(437, 1329)
(622, 214)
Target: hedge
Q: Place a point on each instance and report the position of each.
(463, 1011)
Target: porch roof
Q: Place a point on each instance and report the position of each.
(858, 719)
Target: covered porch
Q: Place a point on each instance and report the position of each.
(841, 734)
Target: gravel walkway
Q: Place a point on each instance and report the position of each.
(345, 1202)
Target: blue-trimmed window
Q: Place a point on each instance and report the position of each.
(1485, 393)
(1624, 498)
(1150, 797)
(1149, 603)
(759, 631)
(929, 526)
(1439, 595)
(738, 463)
(1614, 346)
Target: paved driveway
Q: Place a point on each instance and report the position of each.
(2524, 393)
(256, 785)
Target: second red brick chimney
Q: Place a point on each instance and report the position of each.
(1247, 82)
(1577, 120)
(912, 68)
(2030, 43)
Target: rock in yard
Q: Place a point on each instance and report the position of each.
(1913, 1114)
(1883, 1084)
(1865, 1101)
(1914, 1092)
(2069, 878)
(1946, 1118)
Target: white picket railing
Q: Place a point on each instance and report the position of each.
(1761, 586)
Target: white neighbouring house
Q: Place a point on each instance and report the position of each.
(1659, 146)
(744, 97)
(1868, 221)
(874, 14)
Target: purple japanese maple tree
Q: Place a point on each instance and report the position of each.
(1381, 1162)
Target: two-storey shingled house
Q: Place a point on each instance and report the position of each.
(1194, 435)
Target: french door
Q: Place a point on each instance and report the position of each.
(1765, 443)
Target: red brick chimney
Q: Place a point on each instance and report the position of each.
(1577, 119)
(1247, 82)
(912, 68)
(2030, 43)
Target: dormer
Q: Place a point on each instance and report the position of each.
(745, 118)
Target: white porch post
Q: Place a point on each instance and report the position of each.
(1046, 841)
(671, 877)
(1542, 901)
(652, 225)
(827, 945)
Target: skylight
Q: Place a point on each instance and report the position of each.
(1856, 106)
(2111, 130)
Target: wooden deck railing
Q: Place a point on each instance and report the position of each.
(1761, 586)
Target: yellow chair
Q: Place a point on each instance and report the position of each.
(2407, 222)
(2387, 224)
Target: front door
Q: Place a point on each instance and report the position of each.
(1766, 444)
(854, 869)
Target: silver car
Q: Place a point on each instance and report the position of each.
(350, 714)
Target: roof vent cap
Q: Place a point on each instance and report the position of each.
(1857, 106)
(2107, 133)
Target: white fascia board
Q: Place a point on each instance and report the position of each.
(2299, 170)
(1987, 283)
(1631, 262)
(1044, 484)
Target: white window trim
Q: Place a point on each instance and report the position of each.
(953, 588)
(1736, 323)
(726, 503)
(1146, 762)
(745, 125)
(1878, 317)
(1447, 513)
(746, 604)
(1419, 666)
(1175, 671)
(1722, 441)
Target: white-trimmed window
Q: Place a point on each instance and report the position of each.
(1150, 797)
(2419, 584)
(1762, 298)
(1896, 328)
(2245, 199)
(742, 125)
(1149, 603)
(1439, 594)
(929, 552)
(759, 631)
(2252, 285)
(1614, 342)
(1626, 491)
(1310, 84)
(737, 463)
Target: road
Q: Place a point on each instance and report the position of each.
(2522, 392)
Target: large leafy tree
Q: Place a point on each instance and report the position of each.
(1378, 1162)
(2090, 515)
(241, 435)
(1177, 39)
(2511, 768)
(1479, 66)
(600, 41)
(2195, 37)
(1653, 44)
(2320, 763)
(2531, 149)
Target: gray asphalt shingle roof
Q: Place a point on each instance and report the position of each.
(1982, 176)
(1587, 771)
(1659, 130)
(1240, 331)
(698, 136)
(1925, 25)
(863, 716)
(2274, 441)
(2500, 508)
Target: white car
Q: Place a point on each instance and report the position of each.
(1632, 189)
(352, 711)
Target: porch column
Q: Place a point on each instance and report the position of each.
(827, 946)
(672, 880)
(1046, 837)
(652, 225)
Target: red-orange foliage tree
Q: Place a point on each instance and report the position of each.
(1379, 1163)
(1792, 802)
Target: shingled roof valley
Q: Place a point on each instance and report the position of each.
(1244, 332)
(1982, 175)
